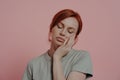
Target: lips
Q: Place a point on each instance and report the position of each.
(60, 39)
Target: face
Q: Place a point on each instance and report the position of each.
(65, 29)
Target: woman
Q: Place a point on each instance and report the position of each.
(61, 61)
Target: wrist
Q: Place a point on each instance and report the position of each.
(56, 57)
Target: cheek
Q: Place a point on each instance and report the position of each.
(55, 31)
(71, 35)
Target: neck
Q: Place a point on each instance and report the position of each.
(52, 50)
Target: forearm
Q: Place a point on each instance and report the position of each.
(57, 69)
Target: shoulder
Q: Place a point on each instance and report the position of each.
(80, 55)
(80, 52)
(37, 60)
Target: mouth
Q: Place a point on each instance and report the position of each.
(60, 39)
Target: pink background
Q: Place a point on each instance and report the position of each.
(24, 26)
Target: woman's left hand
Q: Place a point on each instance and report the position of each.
(64, 48)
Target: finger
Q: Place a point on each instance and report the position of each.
(70, 42)
(66, 41)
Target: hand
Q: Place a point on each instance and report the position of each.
(64, 48)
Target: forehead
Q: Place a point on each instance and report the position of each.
(70, 22)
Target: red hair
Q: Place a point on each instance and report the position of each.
(65, 14)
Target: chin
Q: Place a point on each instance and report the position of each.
(58, 43)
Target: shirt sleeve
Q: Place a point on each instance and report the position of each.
(83, 64)
(28, 72)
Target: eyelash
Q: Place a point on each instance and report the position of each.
(70, 32)
(60, 27)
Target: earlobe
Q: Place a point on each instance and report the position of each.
(50, 36)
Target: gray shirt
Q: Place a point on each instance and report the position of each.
(76, 60)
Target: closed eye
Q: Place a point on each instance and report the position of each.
(71, 30)
(60, 26)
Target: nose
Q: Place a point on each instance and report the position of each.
(63, 32)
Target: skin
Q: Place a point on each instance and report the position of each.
(62, 40)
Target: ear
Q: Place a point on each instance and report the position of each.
(76, 39)
(50, 36)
